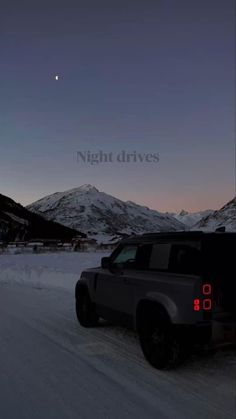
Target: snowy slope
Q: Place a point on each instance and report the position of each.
(191, 218)
(18, 223)
(93, 212)
(225, 217)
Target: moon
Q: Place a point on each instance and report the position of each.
(56, 77)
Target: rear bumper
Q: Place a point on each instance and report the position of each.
(224, 332)
(199, 333)
(213, 332)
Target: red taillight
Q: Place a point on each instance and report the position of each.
(196, 304)
(206, 302)
(206, 289)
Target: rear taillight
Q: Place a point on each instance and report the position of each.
(206, 305)
(206, 289)
(196, 304)
(206, 302)
(207, 292)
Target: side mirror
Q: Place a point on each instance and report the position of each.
(105, 263)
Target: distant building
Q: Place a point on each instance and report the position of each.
(35, 243)
(83, 244)
(108, 246)
(20, 244)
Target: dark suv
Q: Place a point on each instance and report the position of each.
(175, 289)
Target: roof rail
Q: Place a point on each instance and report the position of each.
(171, 232)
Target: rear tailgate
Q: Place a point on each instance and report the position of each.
(221, 274)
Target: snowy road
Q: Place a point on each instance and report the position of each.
(52, 368)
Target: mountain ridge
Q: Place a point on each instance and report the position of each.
(18, 223)
(224, 217)
(95, 212)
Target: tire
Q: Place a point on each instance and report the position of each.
(85, 310)
(162, 347)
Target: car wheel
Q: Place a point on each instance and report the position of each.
(161, 346)
(85, 310)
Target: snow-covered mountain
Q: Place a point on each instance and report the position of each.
(18, 223)
(97, 213)
(225, 217)
(191, 218)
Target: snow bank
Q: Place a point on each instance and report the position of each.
(47, 270)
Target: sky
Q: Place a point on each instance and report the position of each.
(139, 76)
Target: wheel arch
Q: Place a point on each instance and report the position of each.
(80, 287)
(145, 310)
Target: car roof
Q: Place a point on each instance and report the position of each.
(175, 235)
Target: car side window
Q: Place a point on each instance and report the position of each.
(176, 257)
(186, 259)
(126, 256)
(160, 256)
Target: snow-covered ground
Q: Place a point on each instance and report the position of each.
(61, 269)
(51, 368)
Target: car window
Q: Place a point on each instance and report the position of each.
(160, 255)
(176, 257)
(127, 253)
(185, 258)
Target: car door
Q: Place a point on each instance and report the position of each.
(114, 287)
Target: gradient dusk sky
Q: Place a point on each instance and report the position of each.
(151, 76)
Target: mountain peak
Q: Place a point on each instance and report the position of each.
(88, 187)
(85, 188)
(96, 211)
(80, 189)
(183, 212)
